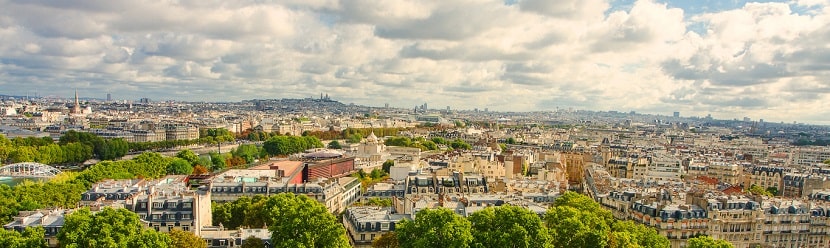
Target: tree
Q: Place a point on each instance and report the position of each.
(334, 144)
(108, 228)
(707, 242)
(247, 151)
(179, 166)
(572, 227)
(439, 227)
(199, 170)
(758, 190)
(387, 166)
(511, 141)
(508, 226)
(150, 238)
(772, 190)
(182, 239)
(299, 221)
(354, 138)
(189, 156)
(628, 233)
(253, 242)
(387, 240)
(32, 237)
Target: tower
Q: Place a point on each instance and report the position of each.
(77, 108)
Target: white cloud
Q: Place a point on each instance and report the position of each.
(754, 60)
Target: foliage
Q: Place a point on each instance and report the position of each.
(511, 141)
(439, 227)
(248, 152)
(299, 221)
(630, 234)
(150, 238)
(108, 228)
(189, 156)
(334, 144)
(367, 180)
(179, 166)
(217, 161)
(387, 166)
(285, 145)
(199, 170)
(387, 240)
(758, 190)
(243, 212)
(253, 242)
(460, 144)
(32, 237)
(354, 138)
(572, 227)
(707, 242)
(772, 190)
(508, 226)
(183, 239)
(375, 201)
(216, 135)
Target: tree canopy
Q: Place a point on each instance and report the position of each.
(107, 228)
(508, 226)
(439, 227)
(183, 239)
(299, 221)
(707, 242)
(31, 237)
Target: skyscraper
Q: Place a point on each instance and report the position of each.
(109, 97)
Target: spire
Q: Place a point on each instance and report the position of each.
(77, 108)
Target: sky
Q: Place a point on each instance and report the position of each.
(731, 59)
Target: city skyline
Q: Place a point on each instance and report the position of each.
(731, 59)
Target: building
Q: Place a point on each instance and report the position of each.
(163, 204)
(51, 221)
(365, 224)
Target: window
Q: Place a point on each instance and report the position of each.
(157, 204)
(187, 205)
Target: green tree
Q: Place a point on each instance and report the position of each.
(508, 226)
(354, 138)
(772, 190)
(32, 237)
(299, 221)
(334, 144)
(758, 190)
(8, 203)
(387, 240)
(188, 155)
(179, 166)
(434, 228)
(628, 233)
(707, 242)
(108, 228)
(253, 242)
(149, 238)
(572, 227)
(182, 239)
(460, 144)
(511, 141)
(247, 151)
(387, 166)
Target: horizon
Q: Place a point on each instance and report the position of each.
(731, 59)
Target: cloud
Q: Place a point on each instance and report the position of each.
(752, 59)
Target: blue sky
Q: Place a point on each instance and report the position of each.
(730, 59)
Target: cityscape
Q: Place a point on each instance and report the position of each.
(412, 123)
